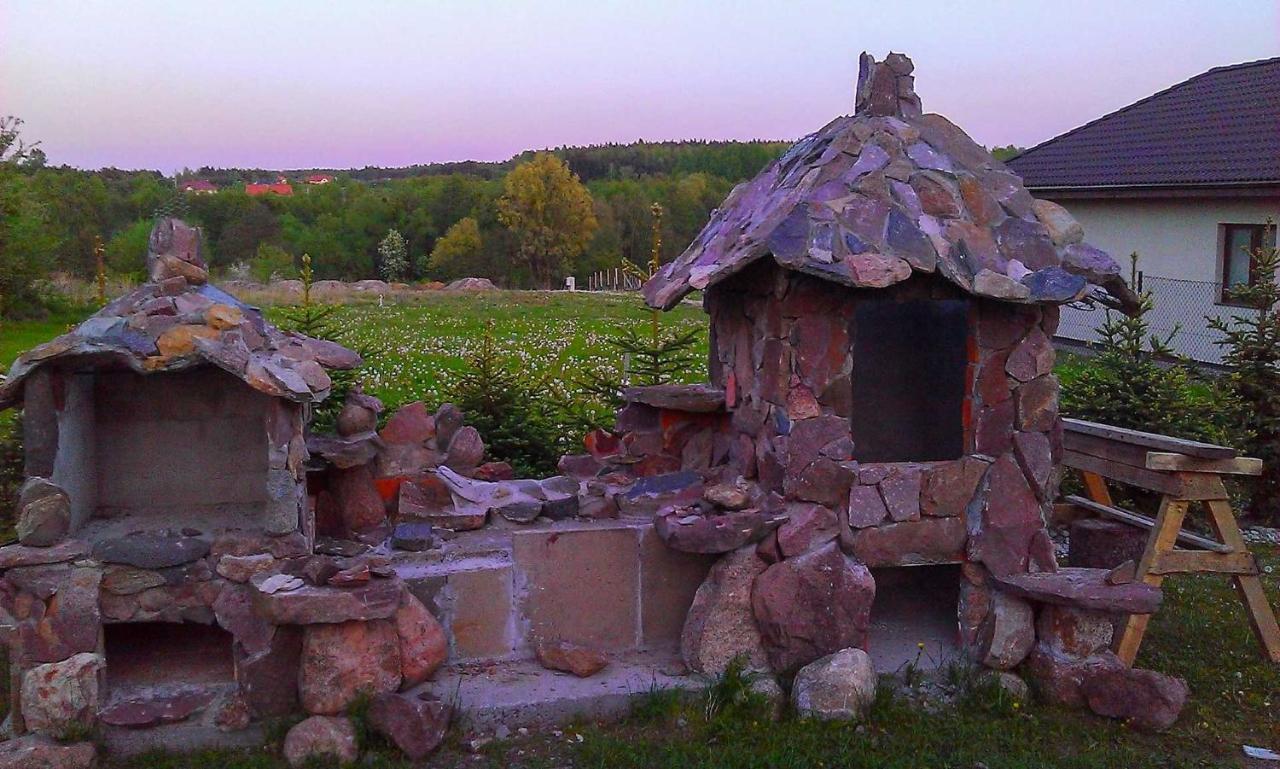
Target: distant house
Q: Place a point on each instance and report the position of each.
(199, 187)
(1187, 178)
(281, 186)
(319, 179)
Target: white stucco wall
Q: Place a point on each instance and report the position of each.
(1179, 248)
(1173, 238)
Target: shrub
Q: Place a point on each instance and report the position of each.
(1252, 350)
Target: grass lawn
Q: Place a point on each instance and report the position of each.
(1201, 633)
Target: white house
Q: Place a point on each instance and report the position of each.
(1187, 178)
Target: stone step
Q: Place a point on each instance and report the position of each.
(523, 694)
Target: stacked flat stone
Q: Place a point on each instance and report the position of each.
(875, 197)
(179, 321)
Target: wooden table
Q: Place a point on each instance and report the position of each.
(1182, 472)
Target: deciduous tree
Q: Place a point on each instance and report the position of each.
(549, 212)
(458, 249)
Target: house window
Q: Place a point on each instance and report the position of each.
(909, 380)
(1239, 242)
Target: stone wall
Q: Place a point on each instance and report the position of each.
(781, 350)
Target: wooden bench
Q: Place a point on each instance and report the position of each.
(1183, 472)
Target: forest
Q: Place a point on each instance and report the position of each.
(420, 223)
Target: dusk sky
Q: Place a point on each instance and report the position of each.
(278, 84)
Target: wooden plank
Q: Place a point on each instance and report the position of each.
(1200, 561)
(1168, 524)
(1142, 521)
(1164, 483)
(1135, 456)
(1248, 586)
(1163, 460)
(1149, 440)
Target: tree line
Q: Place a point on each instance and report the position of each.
(526, 222)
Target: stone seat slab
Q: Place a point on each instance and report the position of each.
(311, 604)
(1084, 588)
(693, 398)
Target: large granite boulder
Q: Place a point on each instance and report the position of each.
(414, 725)
(342, 661)
(1148, 700)
(423, 643)
(840, 686)
(44, 513)
(720, 625)
(811, 606)
(319, 738)
(61, 696)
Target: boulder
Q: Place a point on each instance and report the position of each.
(411, 424)
(689, 532)
(572, 658)
(1008, 632)
(414, 725)
(448, 421)
(360, 506)
(1148, 700)
(44, 513)
(1074, 632)
(56, 611)
(811, 606)
(423, 643)
(269, 679)
(1060, 679)
(58, 696)
(719, 624)
(341, 662)
(808, 526)
(466, 450)
(840, 686)
(36, 752)
(730, 496)
(321, 737)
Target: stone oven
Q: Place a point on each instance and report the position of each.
(882, 303)
(161, 435)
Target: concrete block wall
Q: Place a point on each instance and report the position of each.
(611, 585)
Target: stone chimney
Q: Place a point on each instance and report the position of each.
(886, 88)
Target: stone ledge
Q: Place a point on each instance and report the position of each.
(1084, 589)
(312, 605)
(693, 398)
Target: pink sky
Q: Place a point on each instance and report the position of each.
(281, 84)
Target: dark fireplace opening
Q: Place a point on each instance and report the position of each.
(144, 654)
(914, 605)
(910, 361)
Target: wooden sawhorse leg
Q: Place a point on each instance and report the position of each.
(1161, 540)
(1249, 586)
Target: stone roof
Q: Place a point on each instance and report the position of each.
(874, 197)
(178, 321)
(1221, 127)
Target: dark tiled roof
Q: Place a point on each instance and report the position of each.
(1219, 127)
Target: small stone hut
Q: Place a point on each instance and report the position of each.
(882, 301)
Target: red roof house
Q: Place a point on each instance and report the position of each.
(199, 186)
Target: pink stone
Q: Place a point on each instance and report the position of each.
(808, 526)
(57, 696)
(873, 270)
(901, 492)
(1036, 460)
(342, 661)
(411, 424)
(1038, 404)
(1033, 357)
(466, 450)
(1008, 632)
(811, 606)
(719, 625)
(423, 643)
(911, 543)
(414, 725)
(566, 657)
(949, 487)
(166, 708)
(1008, 520)
(321, 737)
(1148, 700)
(866, 507)
(1074, 632)
(993, 384)
(359, 504)
(1060, 679)
(36, 752)
(801, 404)
(994, 430)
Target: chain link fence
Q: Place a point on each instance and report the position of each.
(1182, 307)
